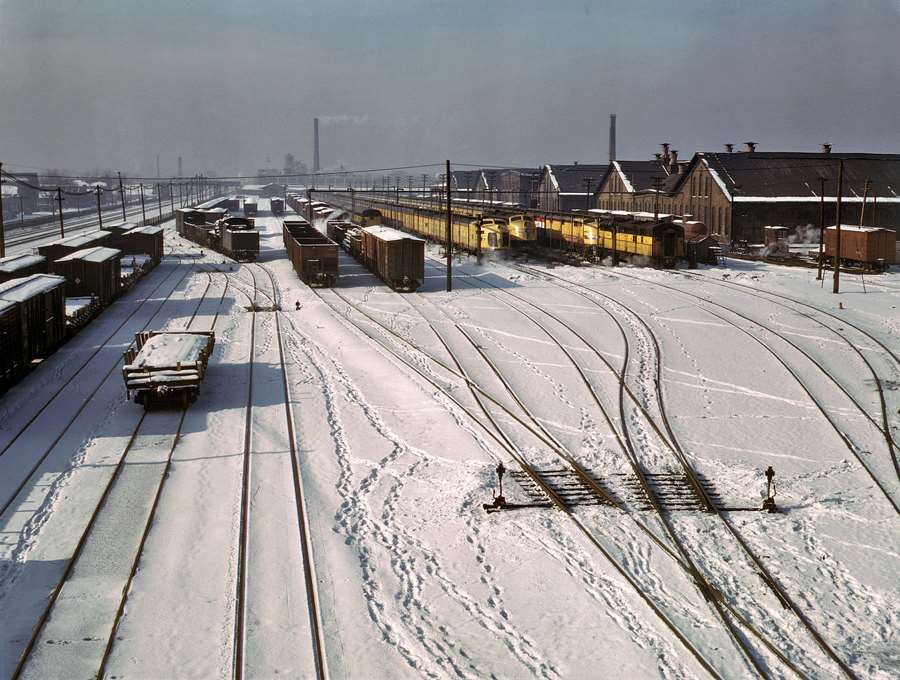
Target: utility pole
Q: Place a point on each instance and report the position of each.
(352, 204)
(159, 201)
(449, 232)
(587, 181)
(59, 200)
(122, 195)
(424, 184)
(862, 210)
(143, 212)
(657, 186)
(2, 232)
(309, 205)
(172, 197)
(99, 211)
(821, 224)
(836, 288)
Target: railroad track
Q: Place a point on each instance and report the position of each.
(671, 442)
(141, 467)
(678, 452)
(39, 459)
(506, 443)
(848, 443)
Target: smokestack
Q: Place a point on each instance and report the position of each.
(665, 152)
(179, 166)
(612, 137)
(729, 148)
(316, 166)
(826, 148)
(751, 146)
(673, 161)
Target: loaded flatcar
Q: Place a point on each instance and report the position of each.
(312, 254)
(337, 229)
(398, 258)
(166, 367)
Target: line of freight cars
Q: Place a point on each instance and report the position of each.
(213, 229)
(46, 298)
(637, 236)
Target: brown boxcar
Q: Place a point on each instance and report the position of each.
(250, 207)
(40, 301)
(93, 272)
(241, 244)
(18, 266)
(867, 245)
(64, 246)
(277, 206)
(398, 258)
(144, 241)
(313, 255)
(10, 344)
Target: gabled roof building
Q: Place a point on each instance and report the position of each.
(569, 187)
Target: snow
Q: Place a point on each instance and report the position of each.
(413, 579)
(389, 233)
(14, 263)
(169, 349)
(718, 180)
(96, 254)
(854, 227)
(19, 290)
(628, 186)
(76, 304)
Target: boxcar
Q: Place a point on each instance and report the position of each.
(250, 208)
(399, 259)
(10, 344)
(277, 206)
(872, 246)
(144, 241)
(19, 266)
(313, 255)
(40, 301)
(92, 272)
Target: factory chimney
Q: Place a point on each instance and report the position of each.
(729, 148)
(612, 137)
(826, 148)
(316, 166)
(179, 166)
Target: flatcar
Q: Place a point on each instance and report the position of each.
(166, 367)
(873, 247)
(313, 255)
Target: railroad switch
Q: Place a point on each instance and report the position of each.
(769, 502)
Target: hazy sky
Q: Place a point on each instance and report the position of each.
(233, 85)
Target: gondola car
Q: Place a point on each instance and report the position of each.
(313, 255)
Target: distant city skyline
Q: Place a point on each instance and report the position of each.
(233, 86)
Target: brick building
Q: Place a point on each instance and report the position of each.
(569, 187)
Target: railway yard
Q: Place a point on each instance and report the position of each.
(328, 504)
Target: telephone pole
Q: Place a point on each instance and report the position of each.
(449, 232)
(2, 232)
(99, 211)
(587, 181)
(143, 212)
(821, 224)
(159, 201)
(172, 197)
(122, 195)
(836, 288)
(59, 200)
(862, 211)
(657, 186)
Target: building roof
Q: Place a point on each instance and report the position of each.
(14, 263)
(97, 254)
(570, 179)
(793, 176)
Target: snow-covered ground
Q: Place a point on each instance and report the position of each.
(395, 454)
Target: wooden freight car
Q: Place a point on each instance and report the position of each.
(19, 266)
(10, 344)
(144, 241)
(313, 255)
(870, 246)
(250, 208)
(240, 244)
(399, 259)
(337, 229)
(40, 301)
(92, 272)
(166, 367)
(277, 206)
